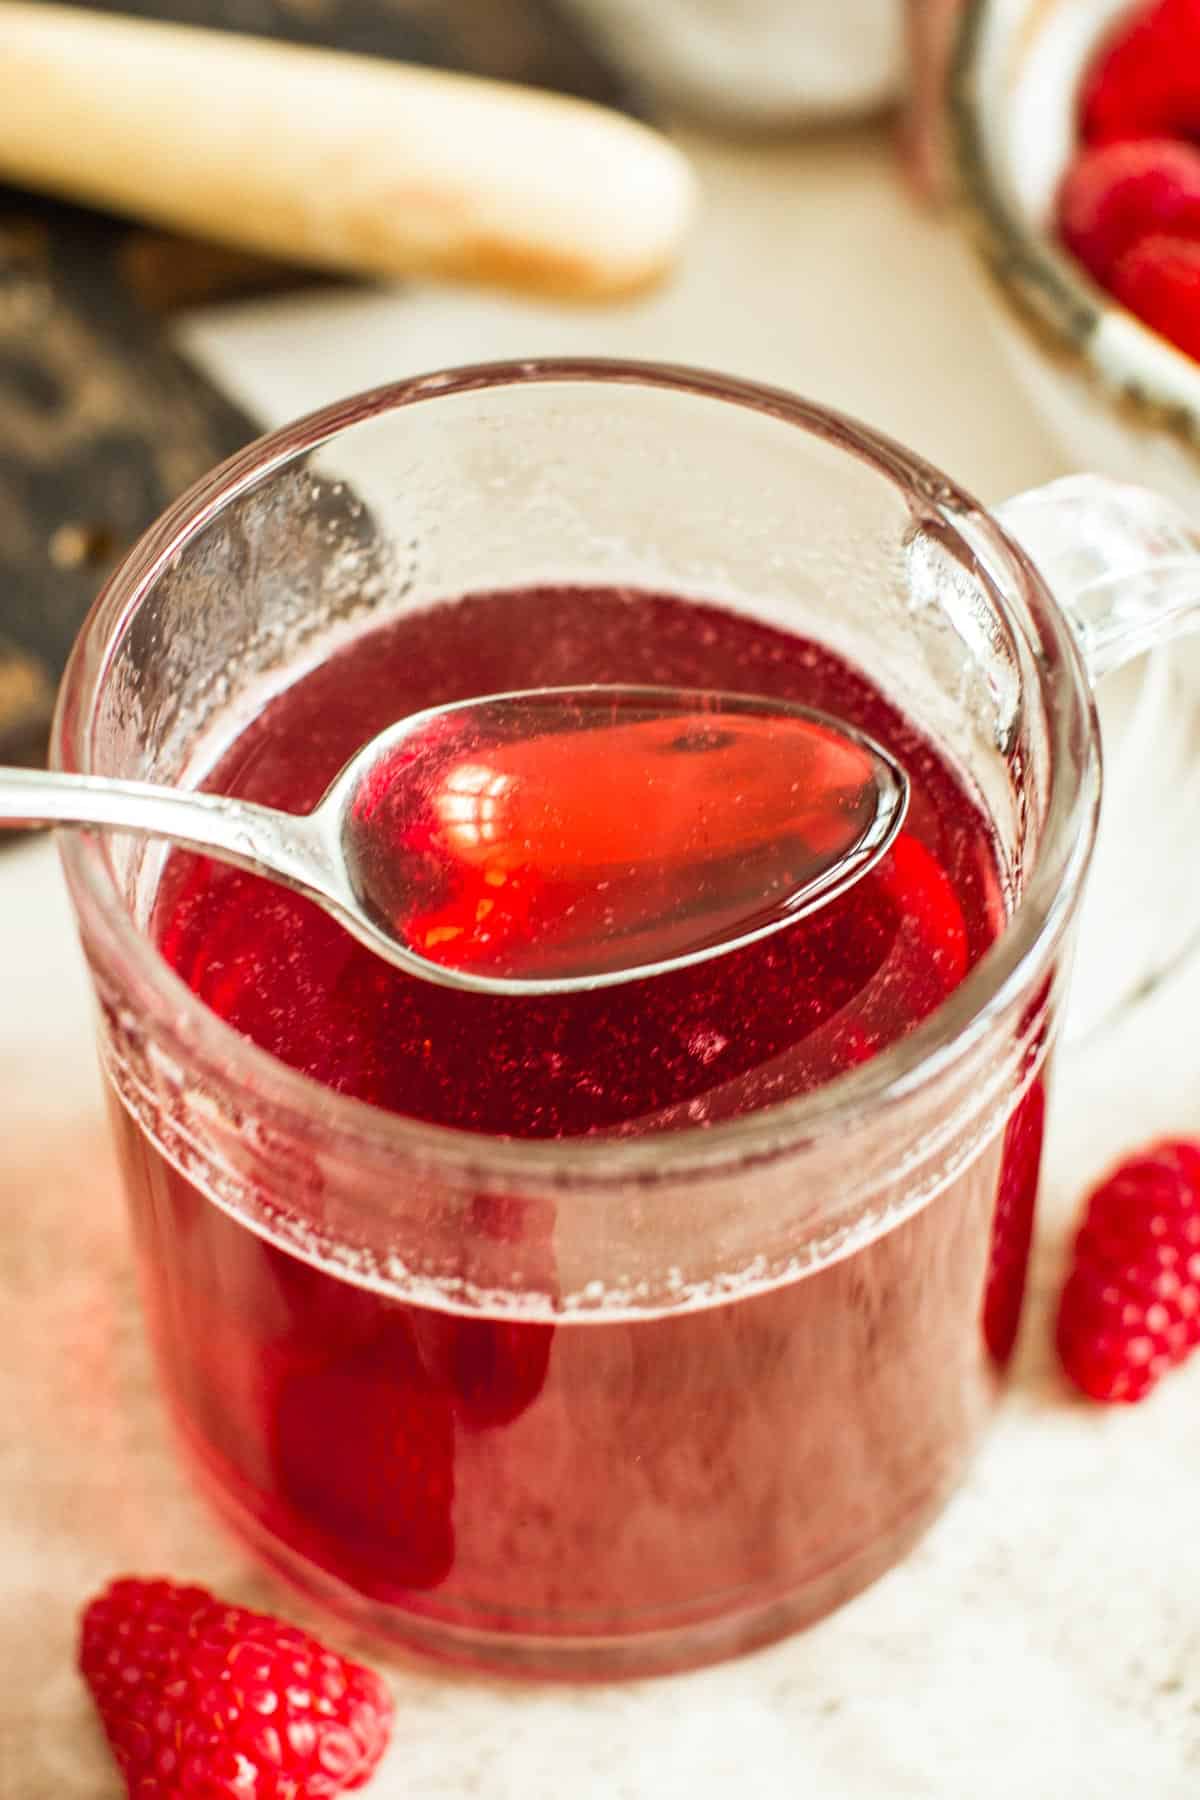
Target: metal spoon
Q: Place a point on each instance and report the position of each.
(549, 840)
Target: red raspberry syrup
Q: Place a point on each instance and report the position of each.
(730, 1469)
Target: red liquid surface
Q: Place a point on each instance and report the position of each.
(757, 1459)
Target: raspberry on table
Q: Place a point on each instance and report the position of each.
(214, 1702)
(1130, 1309)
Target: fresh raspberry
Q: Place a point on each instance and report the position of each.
(1159, 281)
(1130, 1309)
(1117, 193)
(1144, 82)
(1012, 1224)
(211, 1702)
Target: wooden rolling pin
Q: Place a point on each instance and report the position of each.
(339, 161)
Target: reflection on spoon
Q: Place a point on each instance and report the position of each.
(552, 840)
(565, 835)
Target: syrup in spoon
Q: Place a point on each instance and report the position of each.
(549, 840)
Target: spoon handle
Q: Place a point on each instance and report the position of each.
(250, 837)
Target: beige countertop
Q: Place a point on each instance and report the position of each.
(1045, 1638)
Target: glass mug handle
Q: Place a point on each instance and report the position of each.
(1123, 563)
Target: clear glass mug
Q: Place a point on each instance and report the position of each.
(739, 1368)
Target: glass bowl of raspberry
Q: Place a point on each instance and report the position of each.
(1080, 185)
(603, 1333)
(1074, 142)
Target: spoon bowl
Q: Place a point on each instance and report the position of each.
(549, 840)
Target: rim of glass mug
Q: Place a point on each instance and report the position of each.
(1017, 961)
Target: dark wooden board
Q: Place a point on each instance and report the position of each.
(102, 423)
